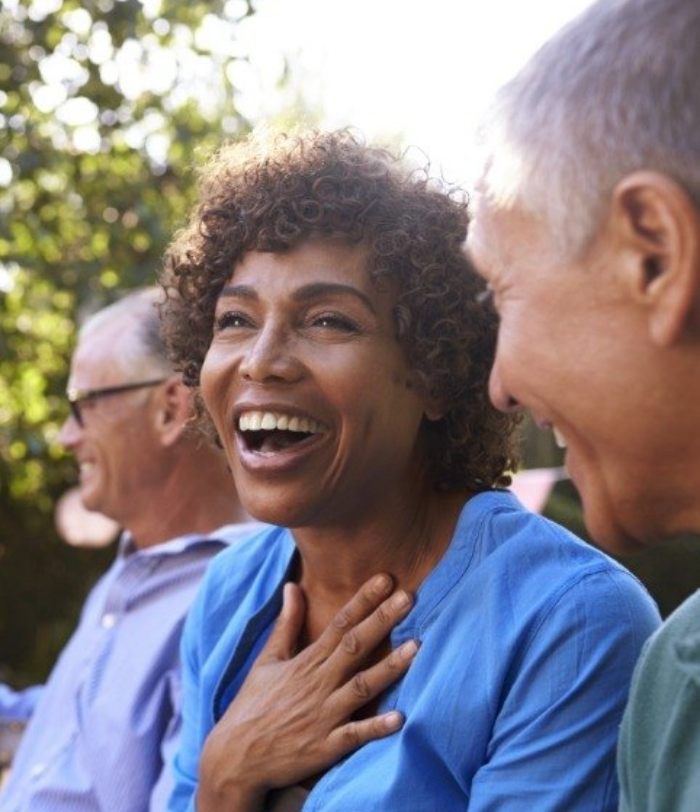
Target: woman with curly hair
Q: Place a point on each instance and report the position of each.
(407, 637)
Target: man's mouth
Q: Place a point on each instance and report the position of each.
(85, 468)
(559, 438)
(270, 432)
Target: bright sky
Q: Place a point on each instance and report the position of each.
(422, 70)
(414, 72)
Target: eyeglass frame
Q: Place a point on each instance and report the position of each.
(77, 396)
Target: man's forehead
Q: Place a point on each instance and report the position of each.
(97, 358)
(480, 245)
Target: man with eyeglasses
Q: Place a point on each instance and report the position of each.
(103, 728)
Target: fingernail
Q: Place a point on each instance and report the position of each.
(408, 649)
(401, 600)
(381, 583)
(393, 720)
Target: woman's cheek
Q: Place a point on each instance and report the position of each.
(212, 384)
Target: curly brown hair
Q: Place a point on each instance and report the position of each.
(270, 194)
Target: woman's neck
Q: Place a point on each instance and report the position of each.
(404, 540)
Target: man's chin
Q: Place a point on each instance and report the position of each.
(90, 500)
(609, 533)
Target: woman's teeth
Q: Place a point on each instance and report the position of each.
(271, 421)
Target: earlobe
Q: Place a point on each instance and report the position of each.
(175, 411)
(433, 407)
(434, 413)
(660, 231)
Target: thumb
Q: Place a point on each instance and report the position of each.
(282, 643)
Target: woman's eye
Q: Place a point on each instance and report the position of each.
(334, 321)
(232, 320)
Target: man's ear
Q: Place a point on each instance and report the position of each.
(174, 410)
(659, 227)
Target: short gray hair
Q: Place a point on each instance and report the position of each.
(617, 90)
(144, 348)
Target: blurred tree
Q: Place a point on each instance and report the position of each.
(104, 107)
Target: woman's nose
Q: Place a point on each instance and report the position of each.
(271, 356)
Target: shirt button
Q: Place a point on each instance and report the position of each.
(108, 620)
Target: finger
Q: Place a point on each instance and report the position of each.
(282, 643)
(364, 686)
(360, 640)
(350, 736)
(365, 601)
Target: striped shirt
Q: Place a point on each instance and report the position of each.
(107, 721)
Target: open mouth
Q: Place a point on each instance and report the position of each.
(85, 469)
(271, 432)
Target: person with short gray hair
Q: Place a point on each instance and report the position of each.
(587, 230)
(616, 91)
(103, 728)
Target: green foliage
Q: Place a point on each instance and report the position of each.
(104, 108)
(105, 105)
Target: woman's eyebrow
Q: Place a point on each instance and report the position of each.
(238, 291)
(317, 290)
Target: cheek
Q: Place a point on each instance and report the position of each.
(214, 378)
(523, 343)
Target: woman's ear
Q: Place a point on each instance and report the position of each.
(658, 227)
(174, 410)
(433, 408)
(435, 411)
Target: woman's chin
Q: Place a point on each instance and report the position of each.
(274, 510)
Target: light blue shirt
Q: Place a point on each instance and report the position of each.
(17, 706)
(528, 641)
(108, 718)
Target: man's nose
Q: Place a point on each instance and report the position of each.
(271, 356)
(70, 432)
(498, 391)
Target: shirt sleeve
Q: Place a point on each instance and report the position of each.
(186, 761)
(553, 743)
(16, 709)
(163, 787)
(659, 749)
(18, 706)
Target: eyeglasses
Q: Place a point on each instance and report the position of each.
(78, 396)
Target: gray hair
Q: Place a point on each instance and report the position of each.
(142, 348)
(617, 90)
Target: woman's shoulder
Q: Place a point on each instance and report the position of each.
(257, 560)
(541, 581)
(538, 557)
(505, 527)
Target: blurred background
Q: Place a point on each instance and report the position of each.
(106, 108)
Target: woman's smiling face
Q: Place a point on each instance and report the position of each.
(309, 388)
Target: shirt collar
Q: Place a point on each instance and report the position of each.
(225, 534)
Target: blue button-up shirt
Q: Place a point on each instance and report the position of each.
(513, 702)
(108, 718)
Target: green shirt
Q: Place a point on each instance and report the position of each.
(659, 747)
